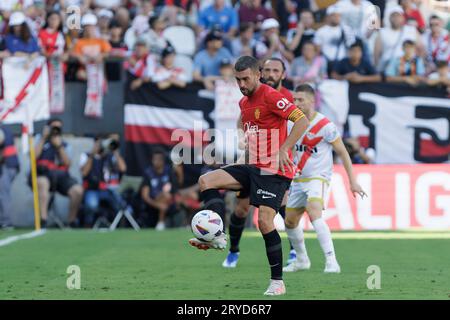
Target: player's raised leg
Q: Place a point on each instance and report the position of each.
(297, 239)
(314, 209)
(273, 250)
(209, 184)
(237, 224)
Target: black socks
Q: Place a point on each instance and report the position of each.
(236, 228)
(274, 254)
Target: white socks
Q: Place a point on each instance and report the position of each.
(324, 237)
(298, 241)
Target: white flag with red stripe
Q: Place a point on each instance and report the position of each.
(26, 93)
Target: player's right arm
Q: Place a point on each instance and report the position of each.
(341, 151)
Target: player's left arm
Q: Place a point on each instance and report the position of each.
(339, 148)
(285, 109)
(301, 123)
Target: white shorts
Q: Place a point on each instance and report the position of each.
(304, 190)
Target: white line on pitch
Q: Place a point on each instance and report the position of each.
(29, 235)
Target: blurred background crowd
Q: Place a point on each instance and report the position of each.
(172, 43)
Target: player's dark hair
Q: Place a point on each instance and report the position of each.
(304, 87)
(246, 62)
(277, 59)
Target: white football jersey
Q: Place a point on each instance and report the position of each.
(313, 151)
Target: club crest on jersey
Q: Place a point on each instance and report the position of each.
(257, 113)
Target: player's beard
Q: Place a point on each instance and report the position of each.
(274, 84)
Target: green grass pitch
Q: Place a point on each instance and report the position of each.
(161, 265)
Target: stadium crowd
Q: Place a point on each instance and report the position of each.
(175, 42)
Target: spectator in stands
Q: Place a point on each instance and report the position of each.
(158, 187)
(409, 68)
(219, 14)
(253, 12)
(304, 32)
(51, 36)
(104, 19)
(225, 73)
(141, 64)
(289, 9)
(412, 15)
(358, 154)
(437, 42)
(334, 38)
(310, 67)
(140, 23)
(178, 12)
(9, 167)
(122, 16)
(354, 68)
(108, 4)
(102, 170)
(53, 162)
(271, 38)
(90, 48)
(118, 45)
(441, 77)
(167, 75)
(360, 15)
(82, 4)
(388, 44)
(246, 44)
(12, 5)
(207, 61)
(19, 41)
(154, 36)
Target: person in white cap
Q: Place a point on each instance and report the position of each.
(271, 38)
(388, 44)
(334, 38)
(19, 41)
(90, 48)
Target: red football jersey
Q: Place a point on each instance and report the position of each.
(287, 93)
(264, 117)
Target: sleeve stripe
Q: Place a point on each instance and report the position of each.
(296, 115)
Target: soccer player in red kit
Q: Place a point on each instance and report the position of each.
(273, 72)
(264, 115)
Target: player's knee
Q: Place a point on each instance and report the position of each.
(203, 182)
(291, 221)
(314, 210)
(76, 191)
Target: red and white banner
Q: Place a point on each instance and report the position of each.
(25, 95)
(399, 197)
(156, 125)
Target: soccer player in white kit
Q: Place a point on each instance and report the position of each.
(309, 189)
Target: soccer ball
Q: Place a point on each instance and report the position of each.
(206, 225)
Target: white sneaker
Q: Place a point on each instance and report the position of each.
(160, 226)
(219, 243)
(299, 264)
(332, 266)
(276, 288)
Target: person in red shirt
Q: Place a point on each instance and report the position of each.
(412, 15)
(273, 73)
(268, 174)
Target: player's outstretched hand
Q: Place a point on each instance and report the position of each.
(356, 189)
(284, 160)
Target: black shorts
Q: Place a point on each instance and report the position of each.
(263, 189)
(60, 181)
